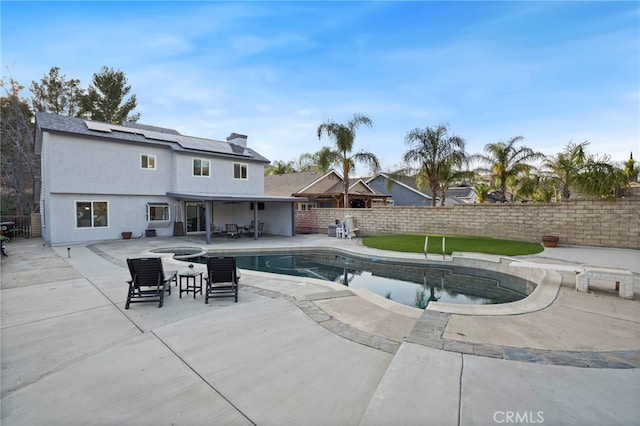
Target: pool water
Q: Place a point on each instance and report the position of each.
(410, 285)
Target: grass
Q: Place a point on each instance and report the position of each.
(414, 243)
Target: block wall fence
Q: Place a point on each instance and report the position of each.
(613, 224)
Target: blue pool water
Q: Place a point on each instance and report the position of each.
(409, 285)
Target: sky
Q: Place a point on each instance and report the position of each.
(552, 72)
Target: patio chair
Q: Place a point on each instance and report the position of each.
(252, 228)
(232, 230)
(222, 278)
(148, 281)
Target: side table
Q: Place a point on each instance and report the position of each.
(188, 278)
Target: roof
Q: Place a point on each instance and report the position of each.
(233, 198)
(292, 183)
(462, 191)
(314, 182)
(142, 133)
(408, 182)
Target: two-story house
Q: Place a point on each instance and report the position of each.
(99, 180)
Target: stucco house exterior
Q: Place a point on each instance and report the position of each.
(405, 192)
(99, 180)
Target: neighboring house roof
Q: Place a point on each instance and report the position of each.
(290, 183)
(408, 182)
(313, 182)
(141, 133)
(461, 192)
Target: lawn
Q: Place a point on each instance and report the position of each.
(414, 243)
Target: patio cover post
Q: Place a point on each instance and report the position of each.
(255, 220)
(207, 225)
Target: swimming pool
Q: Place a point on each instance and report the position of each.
(412, 285)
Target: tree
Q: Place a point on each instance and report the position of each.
(57, 95)
(565, 167)
(104, 100)
(324, 158)
(482, 191)
(19, 162)
(575, 170)
(448, 175)
(631, 169)
(437, 153)
(506, 160)
(343, 137)
(279, 167)
(600, 178)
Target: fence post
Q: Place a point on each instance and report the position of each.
(35, 225)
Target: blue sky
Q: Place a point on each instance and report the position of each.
(552, 72)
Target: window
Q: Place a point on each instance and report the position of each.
(92, 214)
(157, 212)
(200, 167)
(239, 171)
(306, 206)
(147, 161)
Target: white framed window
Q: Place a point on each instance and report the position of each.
(201, 167)
(147, 161)
(306, 206)
(158, 212)
(240, 171)
(92, 214)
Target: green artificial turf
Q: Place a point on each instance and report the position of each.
(414, 243)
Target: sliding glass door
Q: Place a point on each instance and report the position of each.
(196, 217)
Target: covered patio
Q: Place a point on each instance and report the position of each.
(207, 213)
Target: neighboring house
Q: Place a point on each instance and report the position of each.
(463, 194)
(322, 190)
(404, 191)
(99, 180)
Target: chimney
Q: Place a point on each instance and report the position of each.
(237, 139)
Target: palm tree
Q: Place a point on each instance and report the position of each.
(600, 177)
(482, 191)
(436, 152)
(343, 136)
(567, 166)
(506, 160)
(279, 167)
(449, 175)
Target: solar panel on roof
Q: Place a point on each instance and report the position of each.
(159, 136)
(117, 128)
(99, 127)
(187, 142)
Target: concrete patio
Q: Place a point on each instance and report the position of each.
(303, 351)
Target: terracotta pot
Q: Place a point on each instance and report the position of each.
(550, 240)
(126, 235)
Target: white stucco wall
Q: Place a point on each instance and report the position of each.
(221, 180)
(79, 165)
(125, 213)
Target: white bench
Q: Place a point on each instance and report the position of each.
(621, 277)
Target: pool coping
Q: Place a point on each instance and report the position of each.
(431, 324)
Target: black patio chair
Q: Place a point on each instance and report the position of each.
(222, 278)
(149, 281)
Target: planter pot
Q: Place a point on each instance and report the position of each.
(550, 240)
(126, 235)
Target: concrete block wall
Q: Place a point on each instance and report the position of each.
(589, 223)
